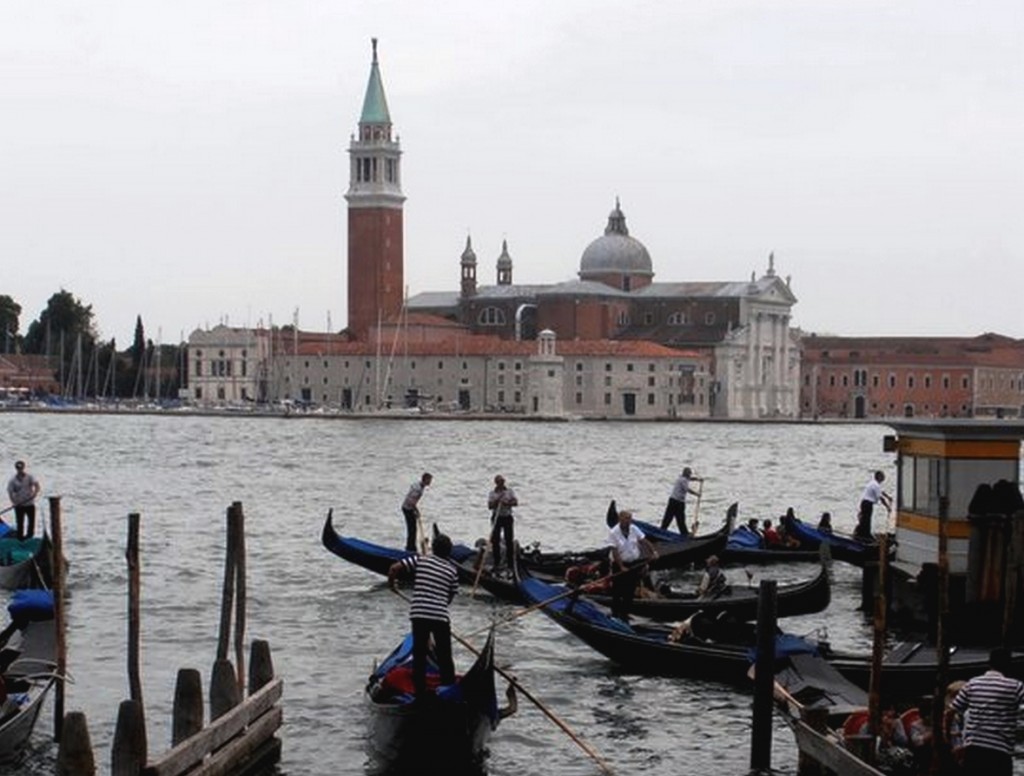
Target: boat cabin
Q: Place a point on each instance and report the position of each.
(965, 474)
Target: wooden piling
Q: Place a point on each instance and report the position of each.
(764, 678)
(128, 756)
(188, 705)
(228, 590)
(134, 622)
(224, 691)
(941, 631)
(261, 665)
(240, 593)
(878, 646)
(59, 615)
(74, 756)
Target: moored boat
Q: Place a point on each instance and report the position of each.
(447, 732)
(25, 562)
(27, 665)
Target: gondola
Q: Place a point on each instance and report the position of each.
(722, 649)
(447, 732)
(549, 565)
(27, 666)
(740, 603)
(25, 562)
(840, 547)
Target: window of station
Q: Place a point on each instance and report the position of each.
(923, 480)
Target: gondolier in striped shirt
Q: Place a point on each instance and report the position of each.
(989, 706)
(435, 582)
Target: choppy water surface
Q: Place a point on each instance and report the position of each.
(327, 621)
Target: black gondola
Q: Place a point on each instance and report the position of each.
(722, 649)
(447, 732)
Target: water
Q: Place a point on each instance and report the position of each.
(327, 621)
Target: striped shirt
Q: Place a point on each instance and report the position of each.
(434, 586)
(990, 705)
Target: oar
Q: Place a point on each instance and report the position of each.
(696, 509)
(541, 604)
(8, 509)
(589, 750)
(424, 541)
(481, 559)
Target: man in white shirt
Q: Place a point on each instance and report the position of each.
(629, 549)
(873, 494)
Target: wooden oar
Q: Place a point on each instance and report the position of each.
(696, 509)
(481, 559)
(589, 750)
(8, 509)
(424, 541)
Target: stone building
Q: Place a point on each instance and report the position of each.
(879, 377)
(228, 365)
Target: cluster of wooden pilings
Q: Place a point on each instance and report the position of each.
(241, 736)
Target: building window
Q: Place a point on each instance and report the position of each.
(846, 381)
(874, 381)
(965, 382)
(501, 379)
(579, 366)
(501, 397)
(501, 366)
(623, 318)
(579, 398)
(650, 382)
(677, 319)
(579, 380)
(199, 368)
(648, 319)
(220, 391)
(199, 392)
(492, 316)
(519, 379)
(650, 399)
(517, 397)
(607, 398)
(518, 366)
(910, 381)
(629, 367)
(709, 319)
(607, 381)
(892, 381)
(440, 365)
(551, 373)
(650, 368)
(832, 381)
(607, 367)
(465, 366)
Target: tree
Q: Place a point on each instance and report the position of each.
(139, 345)
(65, 317)
(9, 314)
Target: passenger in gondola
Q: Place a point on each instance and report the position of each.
(629, 549)
(713, 583)
(772, 540)
(787, 536)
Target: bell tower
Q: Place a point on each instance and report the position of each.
(375, 246)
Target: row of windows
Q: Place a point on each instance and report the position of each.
(860, 379)
(221, 367)
(368, 170)
(517, 366)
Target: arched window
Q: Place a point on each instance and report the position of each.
(492, 316)
(677, 318)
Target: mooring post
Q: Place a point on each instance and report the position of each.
(188, 705)
(59, 617)
(224, 692)
(134, 629)
(129, 753)
(878, 646)
(261, 665)
(228, 591)
(74, 756)
(240, 602)
(941, 635)
(764, 678)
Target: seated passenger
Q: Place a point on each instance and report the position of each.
(825, 523)
(713, 583)
(771, 536)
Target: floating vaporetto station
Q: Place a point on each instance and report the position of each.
(959, 528)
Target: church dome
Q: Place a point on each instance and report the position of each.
(615, 251)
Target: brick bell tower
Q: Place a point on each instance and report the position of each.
(375, 249)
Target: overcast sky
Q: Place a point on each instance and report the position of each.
(187, 161)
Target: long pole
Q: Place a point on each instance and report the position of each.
(878, 647)
(57, 565)
(941, 629)
(764, 677)
(132, 556)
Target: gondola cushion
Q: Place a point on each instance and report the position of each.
(31, 605)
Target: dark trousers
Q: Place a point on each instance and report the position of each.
(624, 589)
(503, 525)
(675, 510)
(411, 520)
(863, 530)
(422, 629)
(982, 760)
(25, 514)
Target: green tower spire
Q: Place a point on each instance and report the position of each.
(375, 105)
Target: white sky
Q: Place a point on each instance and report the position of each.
(187, 161)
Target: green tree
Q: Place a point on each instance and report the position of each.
(10, 311)
(139, 345)
(65, 318)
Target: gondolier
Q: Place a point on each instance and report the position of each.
(873, 494)
(23, 489)
(675, 509)
(411, 509)
(628, 546)
(435, 582)
(500, 501)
